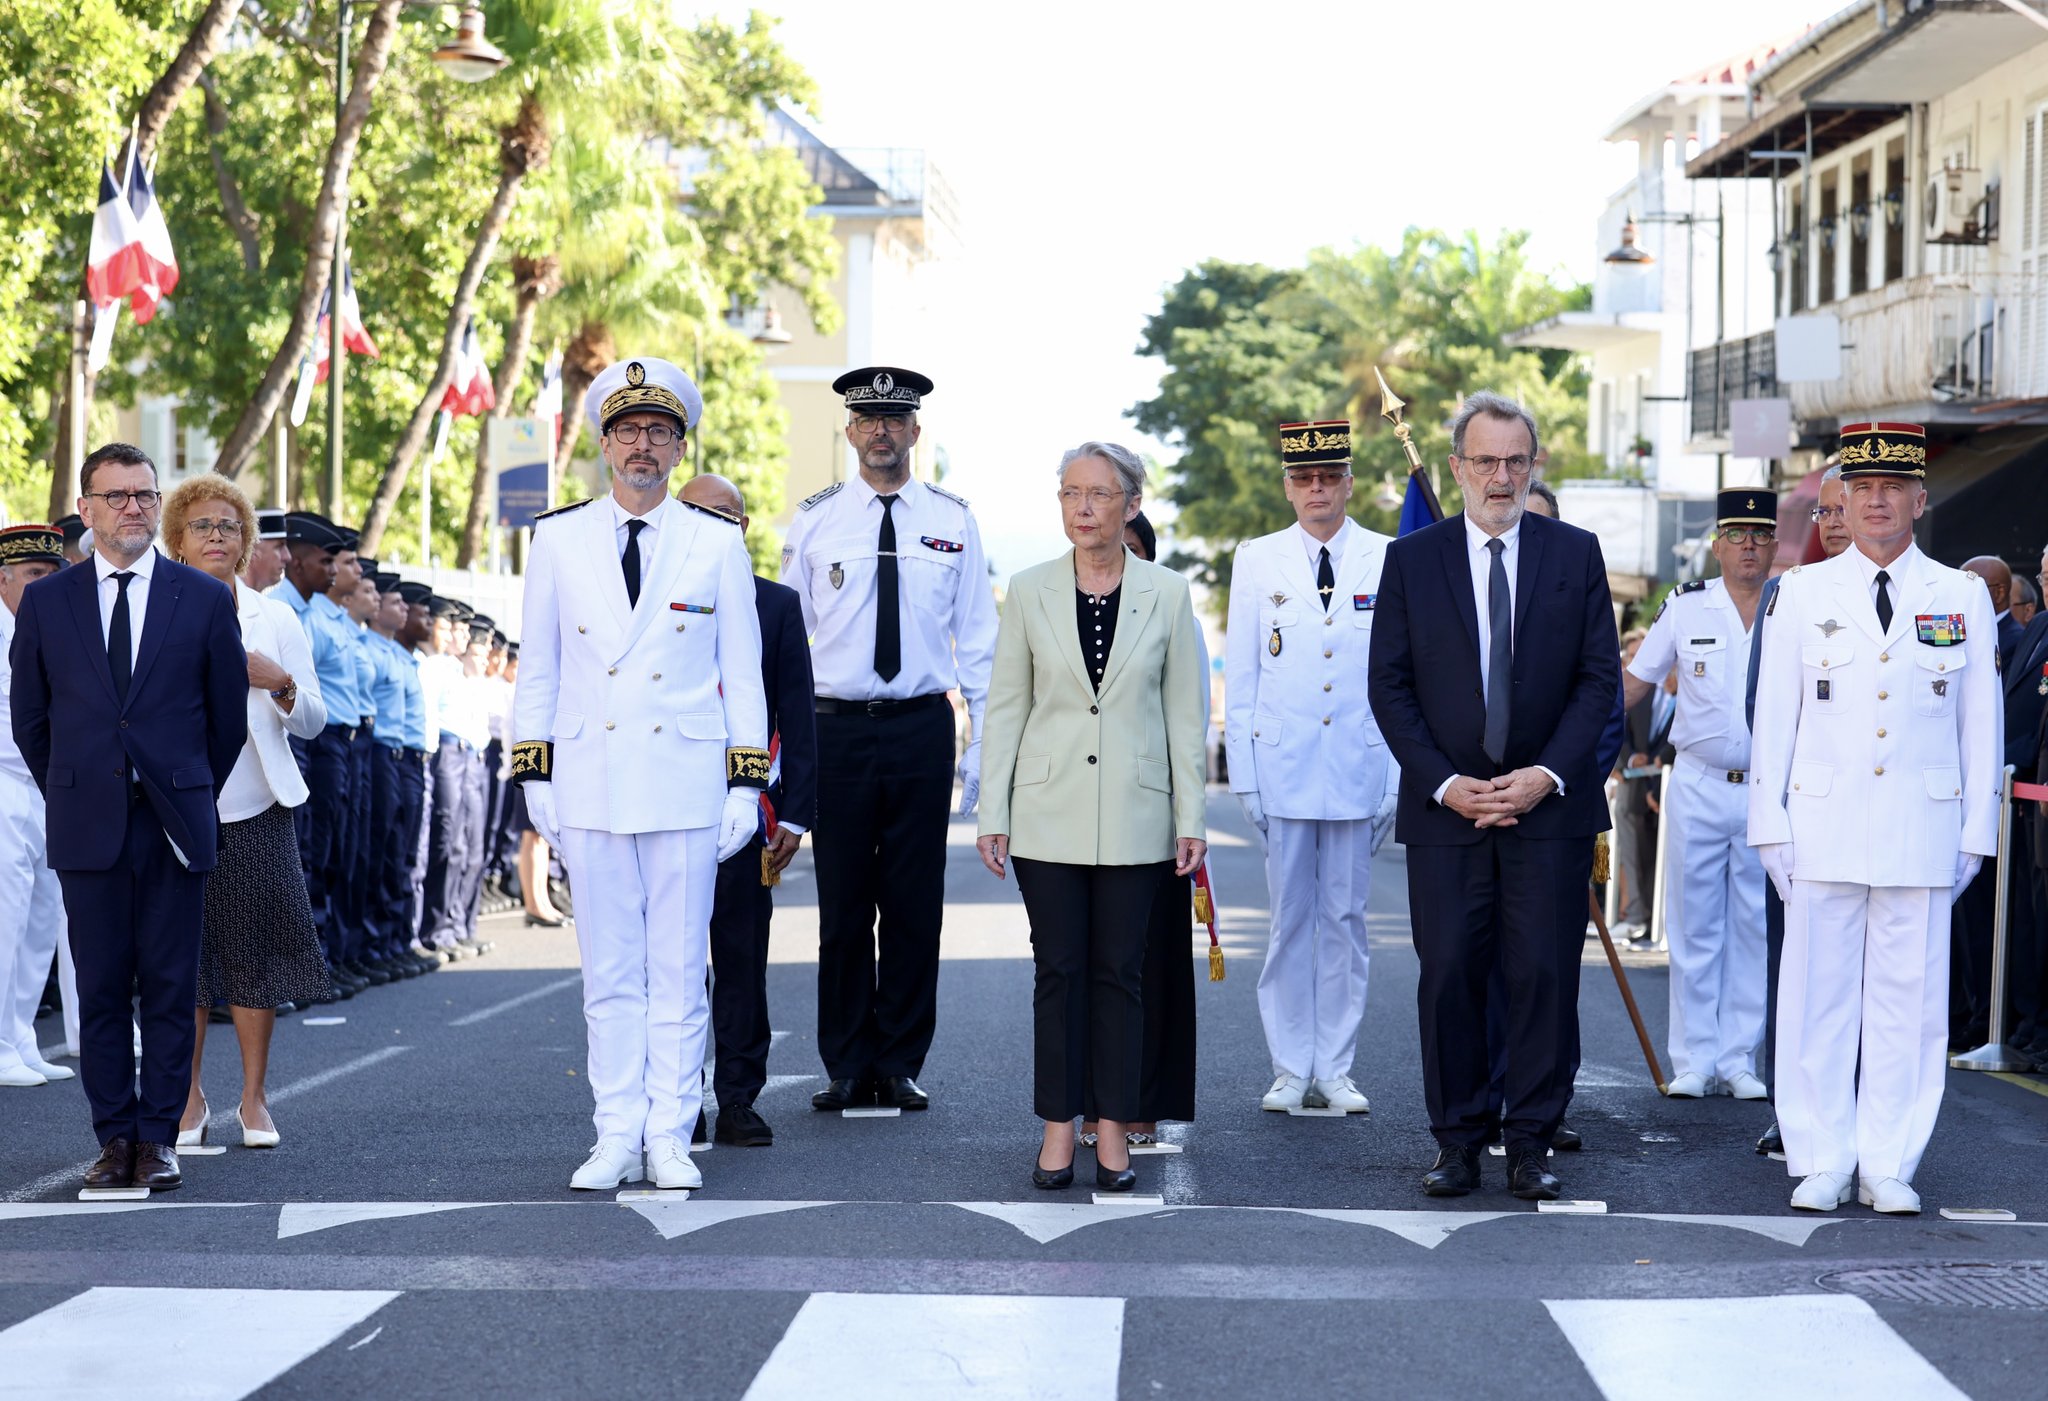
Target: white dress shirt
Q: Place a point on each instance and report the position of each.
(651, 521)
(1898, 573)
(138, 597)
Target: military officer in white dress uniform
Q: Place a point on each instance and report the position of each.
(1714, 896)
(1874, 794)
(1308, 763)
(896, 597)
(641, 738)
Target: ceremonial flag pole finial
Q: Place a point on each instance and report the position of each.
(1391, 405)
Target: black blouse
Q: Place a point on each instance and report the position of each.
(1096, 614)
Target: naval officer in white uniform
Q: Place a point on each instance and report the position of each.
(1308, 763)
(641, 738)
(1714, 886)
(1874, 792)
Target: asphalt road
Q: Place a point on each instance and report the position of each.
(415, 1235)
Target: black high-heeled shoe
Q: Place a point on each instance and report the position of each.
(1052, 1180)
(1110, 1179)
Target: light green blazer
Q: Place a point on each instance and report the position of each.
(1095, 780)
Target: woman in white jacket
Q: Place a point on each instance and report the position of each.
(260, 949)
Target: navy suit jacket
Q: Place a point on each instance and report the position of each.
(786, 680)
(182, 729)
(1425, 688)
(2023, 699)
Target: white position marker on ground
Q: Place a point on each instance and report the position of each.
(880, 1347)
(303, 1218)
(215, 1344)
(532, 995)
(1818, 1345)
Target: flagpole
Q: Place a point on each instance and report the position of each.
(335, 351)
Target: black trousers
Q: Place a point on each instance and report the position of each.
(1088, 935)
(885, 784)
(1521, 900)
(1774, 954)
(384, 933)
(740, 910)
(1970, 929)
(135, 932)
(1166, 1085)
(322, 824)
(364, 819)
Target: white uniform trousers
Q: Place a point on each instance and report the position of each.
(31, 922)
(1312, 989)
(1714, 922)
(1865, 969)
(643, 926)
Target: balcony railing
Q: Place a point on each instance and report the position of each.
(1926, 340)
(1723, 373)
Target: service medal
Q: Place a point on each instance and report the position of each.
(1273, 643)
(838, 576)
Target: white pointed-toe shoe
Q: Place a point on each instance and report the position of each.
(1339, 1093)
(1691, 1085)
(612, 1162)
(1823, 1191)
(21, 1077)
(1744, 1085)
(1287, 1093)
(1889, 1195)
(669, 1165)
(52, 1073)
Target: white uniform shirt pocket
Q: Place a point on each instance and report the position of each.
(1280, 634)
(1824, 672)
(1936, 682)
(1811, 780)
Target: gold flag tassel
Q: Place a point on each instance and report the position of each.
(1600, 866)
(1205, 913)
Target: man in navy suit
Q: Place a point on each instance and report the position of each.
(1494, 670)
(742, 904)
(2027, 916)
(131, 705)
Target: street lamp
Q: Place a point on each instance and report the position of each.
(470, 58)
(1629, 254)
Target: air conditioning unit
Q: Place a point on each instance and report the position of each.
(1954, 198)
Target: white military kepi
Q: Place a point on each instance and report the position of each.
(642, 383)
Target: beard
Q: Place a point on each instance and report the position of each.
(642, 474)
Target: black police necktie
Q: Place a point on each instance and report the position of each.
(1326, 579)
(630, 562)
(888, 622)
(1500, 655)
(1884, 601)
(120, 640)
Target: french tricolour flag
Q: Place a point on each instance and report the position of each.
(114, 266)
(156, 262)
(470, 391)
(354, 338)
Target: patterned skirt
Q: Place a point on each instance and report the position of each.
(260, 947)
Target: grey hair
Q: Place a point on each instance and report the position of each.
(1833, 474)
(1485, 401)
(1129, 469)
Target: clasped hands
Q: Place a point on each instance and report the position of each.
(1498, 802)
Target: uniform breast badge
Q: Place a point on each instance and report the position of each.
(1699, 668)
(1273, 642)
(1820, 690)
(838, 576)
(1941, 687)
(1829, 628)
(1939, 629)
(690, 607)
(1364, 602)
(944, 547)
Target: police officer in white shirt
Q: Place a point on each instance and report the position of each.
(1714, 888)
(896, 596)
(641, 737)
(1874, 797)
(1308, 763)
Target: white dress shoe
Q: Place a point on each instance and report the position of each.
(1744, 1085)
(612, 1161)
(1691, 1085)
(669, 1165)
(1890, 1195)
(1340, 1093)
(21, 1076)
(1287, 1093)
(1823, 1191)
(48, 1071)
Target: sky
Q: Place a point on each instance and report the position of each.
(1099, 150)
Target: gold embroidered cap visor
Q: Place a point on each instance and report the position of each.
(1884, 450)
(31, 544)
(875, 389)
(1746, 506)
(1324, 444)
(641, 385)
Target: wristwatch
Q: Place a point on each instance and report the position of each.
(290, 691)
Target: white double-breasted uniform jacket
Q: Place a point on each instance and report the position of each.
(1297, 727)
(641, 716)
(1876, 753)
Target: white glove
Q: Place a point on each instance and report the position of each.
(740, 820)
(1383, 822)
(1777, 864)
(1254, 810)
(540, 810)
(970, 779)
(1967, 867)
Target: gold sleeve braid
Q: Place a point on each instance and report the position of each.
(533, 761)
(746, 768)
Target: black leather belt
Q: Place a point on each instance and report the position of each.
(347, 732)
(1737, 775)
(830, 705)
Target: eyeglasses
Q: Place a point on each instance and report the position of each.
(118, 500)
(1322, 479)
(1823, 513)
(659, 435)
(1100, 497)
(1749, 537)
(867, 425)
(1486, 465)
(227, 529)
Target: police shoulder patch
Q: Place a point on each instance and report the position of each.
(561, 510)
(956, 500)
(711, 511)
(815, 497)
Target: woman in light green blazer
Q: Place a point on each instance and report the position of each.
(1092, 781)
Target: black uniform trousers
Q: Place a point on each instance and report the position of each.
(1166, 1085)
(495, 790)
(1774, 954)
(458, 790)
(885, 786)
(1520, 901)
(389, 856)
(135, 932)
(352, 895)
(322, 824)
(740, 910)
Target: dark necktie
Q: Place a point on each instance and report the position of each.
(1884, 602)
(630, 562)
(120, 644)
(888, 621)
(1500, 654)
(1326, 579)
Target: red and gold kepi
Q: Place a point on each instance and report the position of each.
(1884, 450)
(31, 544)
(1324, 444)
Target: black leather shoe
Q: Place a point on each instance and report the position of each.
(285, 1009)
(115, 1166)
(1108, 1179)
(369, 973)
(1530, 1180)
(156, 1167)
(1456, 1173)
(1052, 1179)
(533, 919)
(742, 1127)
(842, 1094)
(903, 1092)
(1771, 1142)
(1566, 1140)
